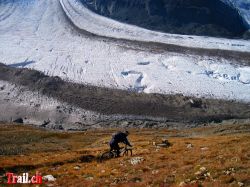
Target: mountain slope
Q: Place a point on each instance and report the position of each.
(38, 35)
(110, 104)
(193, 17)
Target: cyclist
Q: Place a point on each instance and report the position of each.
(119, 137)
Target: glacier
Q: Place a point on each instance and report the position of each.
(63, 38)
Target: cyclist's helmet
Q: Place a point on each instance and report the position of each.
(127, 133)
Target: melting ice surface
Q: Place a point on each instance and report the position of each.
(39, 31)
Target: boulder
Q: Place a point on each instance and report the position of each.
(136, 160)
(49, 178)
(18, 120)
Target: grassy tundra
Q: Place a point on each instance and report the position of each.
(209, 156)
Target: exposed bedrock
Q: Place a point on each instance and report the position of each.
(194, 17)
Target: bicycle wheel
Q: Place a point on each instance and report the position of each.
(127, 151)
(107, 155)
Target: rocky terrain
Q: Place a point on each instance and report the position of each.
(54, 103)
(192, 17)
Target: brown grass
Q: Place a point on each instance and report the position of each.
(225, 157)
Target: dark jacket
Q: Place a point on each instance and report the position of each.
(119, 137)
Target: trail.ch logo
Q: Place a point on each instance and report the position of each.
(24, 178)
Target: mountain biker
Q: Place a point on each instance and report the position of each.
(119, 137)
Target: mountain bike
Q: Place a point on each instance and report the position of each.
(124, 151)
